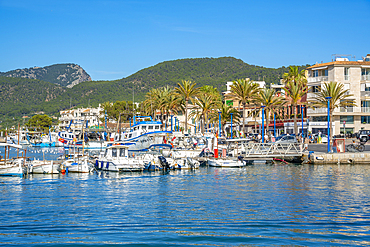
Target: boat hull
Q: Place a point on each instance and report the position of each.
(225, 163)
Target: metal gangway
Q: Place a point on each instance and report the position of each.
(272, 150)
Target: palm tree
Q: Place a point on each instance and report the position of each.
(244, 91)
(205, 103)
(225, 115)
(152, 101)
(187, 91)
(339, 98)
(267, 98)
(295, 88)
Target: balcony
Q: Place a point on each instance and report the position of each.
(365, 93)
(317, 110)
(311, 95)
(365, 109)
(317, 79)
(365, 77)
(346, 109)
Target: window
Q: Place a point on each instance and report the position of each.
(157, 127)
(320, 119)
(150, 127)
(346, 74)
(129, 136)
(348, 119)
(143, 127)
(365, 119)
(315, 73)
(122, 152)
(325, 72)
(114, 152)
(316, 89)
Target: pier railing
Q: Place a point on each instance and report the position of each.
(272, 150)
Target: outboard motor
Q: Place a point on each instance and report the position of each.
(191, 163)
(164, 163)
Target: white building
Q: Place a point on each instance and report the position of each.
(79, 117)
(355, 75)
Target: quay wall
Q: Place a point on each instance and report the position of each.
(340, 158)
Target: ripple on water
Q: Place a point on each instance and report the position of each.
(257, 205)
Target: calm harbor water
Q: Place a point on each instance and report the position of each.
(259, 205)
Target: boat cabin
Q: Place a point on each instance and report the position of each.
(116, 151)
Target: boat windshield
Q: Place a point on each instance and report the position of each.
(114, 152)
(122, 152)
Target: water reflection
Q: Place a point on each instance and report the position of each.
(256, 205)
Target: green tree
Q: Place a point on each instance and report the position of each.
(295, 88)
(40, 122)
(267, 98)
(244, 91)
(340, 97)
(226, 111)
(187, 91)
(205, 104)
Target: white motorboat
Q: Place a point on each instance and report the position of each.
(78, 164)
(12, 167)
(226, 163)
(117, 159)
(185, 163)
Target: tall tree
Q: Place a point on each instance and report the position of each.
(205, 103)
(340, 97)
(187, 91)
(244, 91)
(295, 88)
(226, 111)
(267, 98)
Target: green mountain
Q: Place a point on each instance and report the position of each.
(29, 96)
(66, 75)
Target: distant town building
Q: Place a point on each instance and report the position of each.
(75, 118)
(355, 75)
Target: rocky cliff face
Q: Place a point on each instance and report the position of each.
(65, 75)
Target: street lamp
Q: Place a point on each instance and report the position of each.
(274, 126)
(263, 123)
(231, 126)
(328, 98)
(219, 124)
(302, 122)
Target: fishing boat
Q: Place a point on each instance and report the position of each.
(12, 167)
(78, 164)
(39, 139)
(44, 167)
(143, 133)
(116, 158)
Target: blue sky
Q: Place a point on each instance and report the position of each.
(115, 38)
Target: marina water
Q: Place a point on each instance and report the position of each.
(259, 205)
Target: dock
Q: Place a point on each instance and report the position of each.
(339, 158)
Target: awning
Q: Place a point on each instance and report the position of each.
(317, 68)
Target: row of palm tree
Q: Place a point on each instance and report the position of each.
(208, 101)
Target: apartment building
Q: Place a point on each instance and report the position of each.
(250, 121)
(355, 75)
(79, 117)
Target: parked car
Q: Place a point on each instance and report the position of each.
(324, 138)
(286, 139)
(363, 135)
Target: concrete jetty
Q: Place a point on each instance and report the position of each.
(320, 158)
